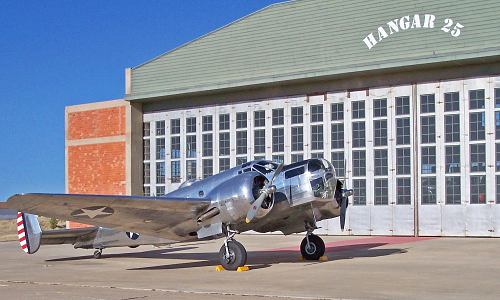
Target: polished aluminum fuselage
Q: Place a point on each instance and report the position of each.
(304, 195)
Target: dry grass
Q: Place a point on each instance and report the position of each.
(8, 228)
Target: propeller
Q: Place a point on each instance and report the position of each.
(344, 199)
(264, 193)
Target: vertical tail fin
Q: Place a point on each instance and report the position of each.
(29, 232)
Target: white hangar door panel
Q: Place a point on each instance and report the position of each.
(429, 216)
(401, 143)
(355, 123)
(495, 92)
(378, 160)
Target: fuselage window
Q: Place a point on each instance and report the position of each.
(314, 165)
(294, 172)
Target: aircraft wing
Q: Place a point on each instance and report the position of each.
(172, 218)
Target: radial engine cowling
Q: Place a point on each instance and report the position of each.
(236, 195)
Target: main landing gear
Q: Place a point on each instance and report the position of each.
(312, 247)
(232, 254)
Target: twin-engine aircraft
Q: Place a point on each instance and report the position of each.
(262, 196)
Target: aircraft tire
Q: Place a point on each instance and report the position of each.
(238, 256)
(315, 250)
(97, 254)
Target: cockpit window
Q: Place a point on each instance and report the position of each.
(314, 165)
(294, 172)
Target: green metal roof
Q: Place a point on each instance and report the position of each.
(303, 39)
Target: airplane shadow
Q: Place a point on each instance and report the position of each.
(257, 259)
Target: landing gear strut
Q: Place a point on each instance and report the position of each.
(312, 247)
(97, 253)
(232, 254)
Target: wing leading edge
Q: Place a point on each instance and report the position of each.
(172, 218)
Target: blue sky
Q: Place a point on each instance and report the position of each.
(59, 53)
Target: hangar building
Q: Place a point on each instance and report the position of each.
(403, 97)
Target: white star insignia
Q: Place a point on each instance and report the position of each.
(93, 213)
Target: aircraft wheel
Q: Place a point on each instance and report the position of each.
(314, 249)
(237, 255)
(97, 254)
(133, 247)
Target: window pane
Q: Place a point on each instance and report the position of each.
(160, 148)
(191, 125)
(224, 164)
(427, 103)
(278, 116)
(403, 191)
(452, 160)
(241, 160)
(160, 127)
(279, 158)
(428, 190)
(359, 163)
(317, 137)
(380, 108)
(297, 138)
(207, 144)
(259, 117)
(337, 111)
(160, 172)
(337, 136)
(259, 145)
(338, 163)
(359, 185)
(453, 190)
(380, 157)
(476, 126)
(497, 157)
(358, 134)
(208, 168)
(317, 113)
(477, 157)
(451, 101)
(160, 191)
(403, 131)
(497, 98)
(297, 115)
(207, 123)
(317, 155)
(241, 120)
(224, 143)
(241, 142)
(428, 160)
(175, 169)
(146, 149)
(497, 125)
(175, 126)
(297, 158)
(358, 109)
(146, 129)
(476, 99)
(380, 132)
(478, 189)
(278, 139)
(175, 147)
(147, 173)
(452, 128)
(403, 161)
(381, 192)
(428, 127)
(224, 122)
(498, 188)
(146, 191)
(190, 169)
(402, 105)
(190, 145)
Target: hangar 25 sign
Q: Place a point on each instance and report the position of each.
(410, 22)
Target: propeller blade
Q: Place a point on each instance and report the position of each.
(255, 207)
(276, 173)
(343, 209)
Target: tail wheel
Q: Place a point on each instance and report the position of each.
(313, 249)
(98, 254)
(237, 255)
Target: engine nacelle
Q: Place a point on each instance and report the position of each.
(236, 196)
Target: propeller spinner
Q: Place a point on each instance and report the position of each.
(265, 192)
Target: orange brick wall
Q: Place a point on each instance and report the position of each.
(96, 123)
(96, 166)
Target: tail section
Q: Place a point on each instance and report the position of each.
(29, 232)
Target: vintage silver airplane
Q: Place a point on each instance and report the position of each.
(262, 196)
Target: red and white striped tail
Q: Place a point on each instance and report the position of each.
(22, 233)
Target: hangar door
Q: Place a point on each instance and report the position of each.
(378, 143)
